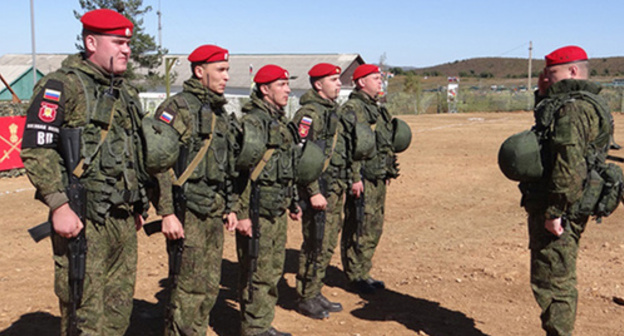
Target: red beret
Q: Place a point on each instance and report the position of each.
(365, 70)
(270, 73)
(565, 55)
(208, 53)
(324, 69)
(107, 22)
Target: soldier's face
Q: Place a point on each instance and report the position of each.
(329, 86)
(370, 84)
(102, 47)
(215, 76)
(277, 92)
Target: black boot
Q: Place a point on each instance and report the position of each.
(273, 332)
(362, 287)
(376, 283)
(312, 308)
(332, 307)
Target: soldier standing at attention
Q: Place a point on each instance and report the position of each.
(318, 122)
(579, 129)
(369, 178)
(274, 178)
(90, 95)
(194, 136)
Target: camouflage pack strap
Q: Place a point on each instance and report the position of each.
(265, 159)
(331, 152)
(198, 158)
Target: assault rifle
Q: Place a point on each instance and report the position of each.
(253, 241)
(359, 203)
(615, 158)
(76, 246)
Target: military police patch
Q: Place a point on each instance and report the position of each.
(45, 117)
(304, 127)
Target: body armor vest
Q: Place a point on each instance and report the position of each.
(113, 166)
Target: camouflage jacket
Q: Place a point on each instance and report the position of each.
(209, 187)
(317, 121)
(81, 95)
(276, 181)
(362, 108)
(573, 127)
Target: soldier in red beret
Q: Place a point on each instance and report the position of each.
(263, 206)
(318, 122)
(88, 102)
(370, 176)
(574, 124)
(196, 124)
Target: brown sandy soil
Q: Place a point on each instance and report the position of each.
(453, 255)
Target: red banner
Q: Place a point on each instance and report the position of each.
(11, 130)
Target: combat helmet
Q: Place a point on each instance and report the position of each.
(365, 142)
(401, 135)
(161, 145)
(310, 165)
(252, 148)
(519, 157)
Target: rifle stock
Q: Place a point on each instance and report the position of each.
(254, 241)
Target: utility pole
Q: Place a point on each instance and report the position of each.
(34, 51)
(159, 13)
(529, 90)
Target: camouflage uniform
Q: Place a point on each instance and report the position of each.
(320, 125)
(113, 178)
(573, 128)
(276, 195)
(357, 252)
(209, 196)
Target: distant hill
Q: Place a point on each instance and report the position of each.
(499, 67)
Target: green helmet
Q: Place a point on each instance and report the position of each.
(161, 145)
(401, 135)
(310, 165)
(519, 157)
(365, 142)
(252, 148)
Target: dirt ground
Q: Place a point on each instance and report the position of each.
(453, 255)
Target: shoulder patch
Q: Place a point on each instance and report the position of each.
(166, 115)
(45, 116)
(304, 127)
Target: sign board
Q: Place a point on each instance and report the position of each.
(11, 130)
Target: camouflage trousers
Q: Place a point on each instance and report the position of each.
(197, 285)
(312, 269)
(553, 272)
(358, 250)
(110, 275)
(257, 315)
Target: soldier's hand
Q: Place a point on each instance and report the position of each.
(244, 227)
(65, 221)
(231, 221)
(295, 215)
(172, 228)
(357, 189)
(139, 221)
(554, 226)
(318, 201)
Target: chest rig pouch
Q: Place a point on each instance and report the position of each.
(377, 166)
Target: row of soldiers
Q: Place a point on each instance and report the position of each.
(97, 160)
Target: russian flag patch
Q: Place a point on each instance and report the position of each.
(52, 95)
(306, 121)
(166, 117)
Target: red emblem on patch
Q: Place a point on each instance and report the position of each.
(303, 130)
(47, 112)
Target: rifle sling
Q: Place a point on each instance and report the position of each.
(197, 159)
(331, 152)
(265, 159)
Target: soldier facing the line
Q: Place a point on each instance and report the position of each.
(89, 94)
(192, 133)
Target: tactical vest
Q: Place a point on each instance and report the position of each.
(113, 165)
(325, 140)
(602, 189)
(277, 176)
(380, 164)
(207, 187)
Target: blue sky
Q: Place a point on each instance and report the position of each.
(409, 32)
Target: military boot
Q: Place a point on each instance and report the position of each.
(332, 307)
(312, 308)
(376, 283)
(273, 332)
